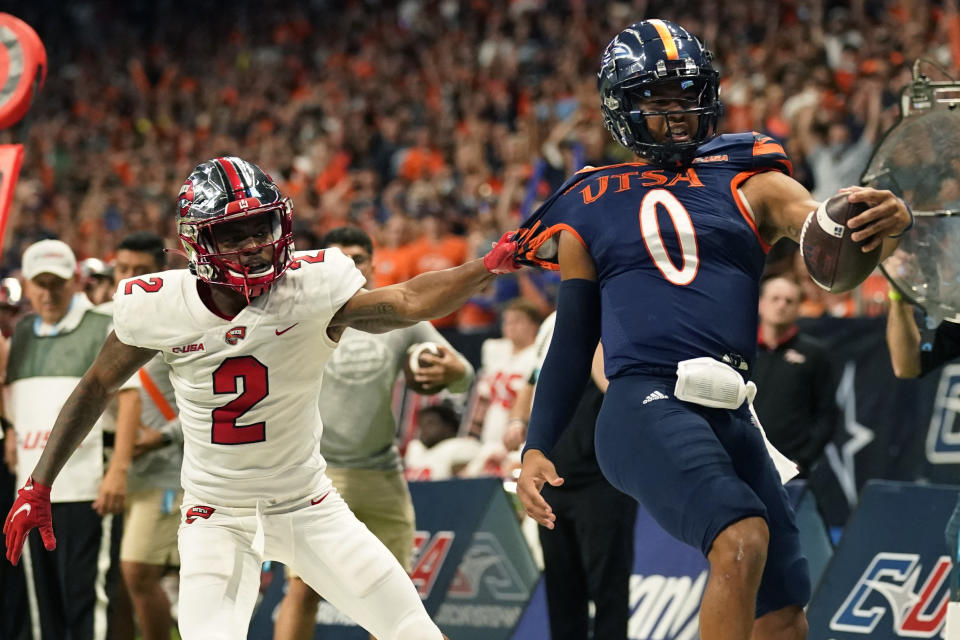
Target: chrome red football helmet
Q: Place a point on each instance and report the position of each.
(224, 191)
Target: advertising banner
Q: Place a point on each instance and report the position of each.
(890, 576)
(889, 429)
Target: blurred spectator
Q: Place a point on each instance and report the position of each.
(50, 350)
(96, 278)
(13, 605)
(507, 363)
(795, 384)
(436, 248)
(438, 454)
(392, 262)
(836, 158)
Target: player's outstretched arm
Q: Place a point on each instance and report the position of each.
(430, 295)
(114, 365)
(782, 204)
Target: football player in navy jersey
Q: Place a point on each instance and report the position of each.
(661, 258)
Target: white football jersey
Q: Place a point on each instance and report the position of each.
(504, 372)
(441, 460)
(246, 388)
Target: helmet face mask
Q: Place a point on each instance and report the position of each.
(235, 226)
(659, 92)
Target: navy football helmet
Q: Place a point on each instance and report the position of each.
(640, 63)
(226, 190)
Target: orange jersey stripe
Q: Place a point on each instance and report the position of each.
(669, 46)
(763, 146)
(735, 183)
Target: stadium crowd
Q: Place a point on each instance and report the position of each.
(434, 125)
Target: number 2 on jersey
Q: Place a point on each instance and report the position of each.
(686, 237)
(253, 373)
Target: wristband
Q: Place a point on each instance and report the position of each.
(909, 226)
(894, 296)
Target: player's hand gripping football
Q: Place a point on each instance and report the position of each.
(440, 370)
(536, 471)
(502, 257)
(888, 215)
(31, 510)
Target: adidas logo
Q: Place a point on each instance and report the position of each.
(656, 395)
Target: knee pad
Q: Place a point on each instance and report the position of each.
(416, 625)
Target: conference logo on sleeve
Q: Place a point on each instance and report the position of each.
(897, 592)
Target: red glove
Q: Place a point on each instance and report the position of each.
(502, 258)
(30, 510)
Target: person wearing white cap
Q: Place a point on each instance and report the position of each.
(49, 351)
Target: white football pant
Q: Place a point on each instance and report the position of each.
(324, 543)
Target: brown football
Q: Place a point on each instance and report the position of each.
(412, 364)
(833, 259)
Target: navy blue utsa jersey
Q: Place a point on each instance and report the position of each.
(677, 252)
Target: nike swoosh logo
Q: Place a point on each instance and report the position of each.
(280, 333)
(28, 508)
(320, 499)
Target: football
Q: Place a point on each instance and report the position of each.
(833, 259)
(414, 361)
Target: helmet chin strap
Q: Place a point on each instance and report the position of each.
(249, 289)
(246, 283)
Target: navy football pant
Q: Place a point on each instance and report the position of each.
(697, 471)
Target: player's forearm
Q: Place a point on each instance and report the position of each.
(437, 293)
(79, 414)
(430, 295)
(903, 340)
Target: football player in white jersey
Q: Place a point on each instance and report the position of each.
(247, 331)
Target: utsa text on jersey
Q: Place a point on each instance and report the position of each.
(649, 178)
